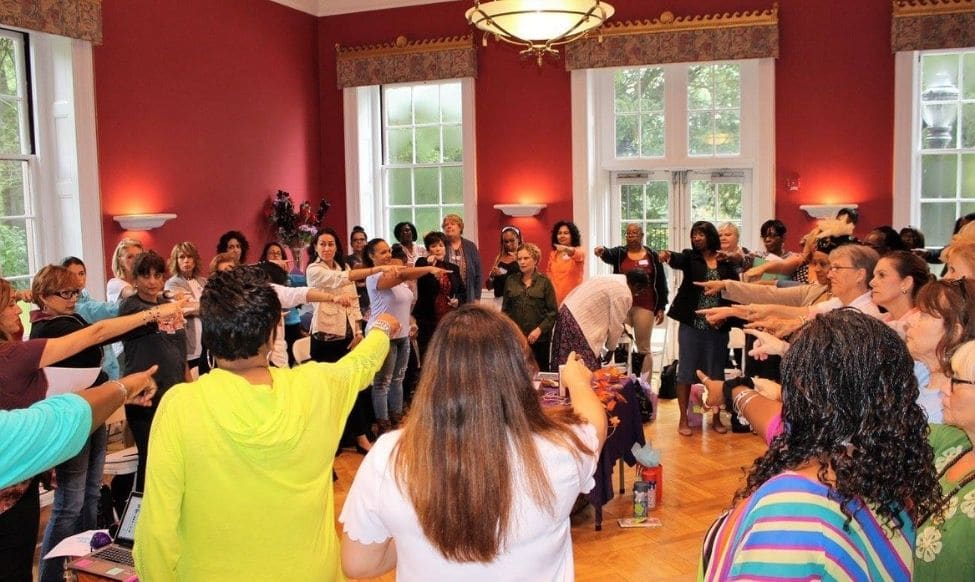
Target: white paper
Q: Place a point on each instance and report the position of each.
(64, 380)
(74, 546)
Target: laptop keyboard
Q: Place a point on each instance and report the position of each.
(115, 554)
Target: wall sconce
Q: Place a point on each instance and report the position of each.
(520, 210)
(792, 182)
(824, 210)
(142, 221)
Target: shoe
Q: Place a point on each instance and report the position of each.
(719, 428)
(685, 431)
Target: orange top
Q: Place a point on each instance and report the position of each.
(565, 272)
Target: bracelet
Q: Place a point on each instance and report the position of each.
(741, 411)
(124, 391)
(733, 383)
(382, 325)
(150, 315)
(736, 404)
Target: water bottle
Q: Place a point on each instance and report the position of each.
(641, 502)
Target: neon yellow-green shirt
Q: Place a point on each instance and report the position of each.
(239, 480)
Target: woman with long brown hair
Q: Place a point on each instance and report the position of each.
(479, 483)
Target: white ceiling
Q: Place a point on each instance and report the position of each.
(328, 7)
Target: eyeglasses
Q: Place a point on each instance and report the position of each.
(68, 294)
(955, 381)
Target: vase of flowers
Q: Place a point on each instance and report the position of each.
(293, 227)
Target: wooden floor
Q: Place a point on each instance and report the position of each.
(701, 472)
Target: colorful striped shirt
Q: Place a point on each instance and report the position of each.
(790, 529)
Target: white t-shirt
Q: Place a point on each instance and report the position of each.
(539, 546)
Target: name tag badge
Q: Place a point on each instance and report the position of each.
(643, 262)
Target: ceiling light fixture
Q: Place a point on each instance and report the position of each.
(538, 25)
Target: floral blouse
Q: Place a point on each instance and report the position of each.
(944, 547)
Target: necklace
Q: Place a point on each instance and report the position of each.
(961, 484)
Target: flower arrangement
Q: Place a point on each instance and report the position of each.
(295, 228)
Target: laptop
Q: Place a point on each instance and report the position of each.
(114, 561)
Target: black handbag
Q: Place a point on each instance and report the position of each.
(668, 381)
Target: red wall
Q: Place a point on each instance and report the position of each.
(834, 108)
(205, 109)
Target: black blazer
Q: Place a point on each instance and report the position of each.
(695, 268)
(427, 288)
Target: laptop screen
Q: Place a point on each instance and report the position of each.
(126, 529)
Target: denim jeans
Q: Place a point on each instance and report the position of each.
(75, 501)
(387, 387)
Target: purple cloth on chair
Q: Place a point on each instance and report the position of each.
(618, 444)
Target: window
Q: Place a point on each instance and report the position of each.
(18, 245)
(714, 109)
(934, 141)
(423, 154)
(410, 155)
(945, 146)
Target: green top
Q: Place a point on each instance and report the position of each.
(530, 307)
(944, 546)
(239, 480)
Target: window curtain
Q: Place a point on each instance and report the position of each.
(681, 39)
(932, 24)
(81, 19)
(406, 61)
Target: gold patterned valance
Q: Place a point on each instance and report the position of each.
(72, 18)
(681, 39)
(932, 24)
(406, 61)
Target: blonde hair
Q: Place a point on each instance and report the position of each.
(454, 218)
(533, 250)
(963, 361)
(117, 267)
(188, 249)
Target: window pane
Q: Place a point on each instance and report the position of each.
(729, 202)
(727, 86)
(656, 201)
(968, 176)
(937, 222)
(937, 69)
(400, 146)
(427, 219)
(652, 135)
(8, 67)
(656, 236)
(453, 184)
(968, 125)
(14, 236)
(398, 215)
(702, 201)
(458, 210)
(428, 145)
(939, 176)
(426, 103)
(699, 85)
(627, 90)
(631, 202)
(699, 133)
(400, 186)
(968, 76)
(427, 185)
(727, 132)
(13, 199)
(627, 140)
(966, 208)
(450, 103)
(652, 89)
(453, 143)
(399, 105)
(10, 142)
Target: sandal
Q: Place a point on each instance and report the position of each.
(685, 431)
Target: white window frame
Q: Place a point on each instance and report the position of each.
(364, 184)
(906, 203)
(593, 151)
(64, 168)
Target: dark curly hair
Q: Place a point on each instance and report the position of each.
(239, 311)
(849, 401)
(225, 239)
(146, 262)
(573, 233)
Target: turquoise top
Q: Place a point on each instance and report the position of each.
(38, 438)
